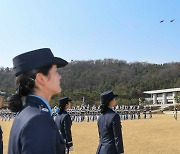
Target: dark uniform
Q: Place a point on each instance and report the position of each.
(64, 124)
(175, 113)
(1, 141)
(110, 134)
(34, 131)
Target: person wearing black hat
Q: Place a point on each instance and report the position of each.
(37, 80)
(64, 123)
(109, 126)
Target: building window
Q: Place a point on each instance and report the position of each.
(159, 95)
(169, 94)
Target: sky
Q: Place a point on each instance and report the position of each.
(127, 30)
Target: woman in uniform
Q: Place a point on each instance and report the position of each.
(37, 80)
(64, 123)
(109, 126)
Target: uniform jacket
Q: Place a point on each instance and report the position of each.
(1, 141)
(64, 124)
(110, 135)
(34, 131)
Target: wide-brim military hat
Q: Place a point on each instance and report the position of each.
(36, 59)
(64, 100)
(107, 96)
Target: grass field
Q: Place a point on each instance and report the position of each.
(159, 135)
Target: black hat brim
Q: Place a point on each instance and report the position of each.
(59, 62)
(115, 96)
(64, 100)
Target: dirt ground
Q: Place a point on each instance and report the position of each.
(159, 135)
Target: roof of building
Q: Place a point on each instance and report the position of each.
(162, 91)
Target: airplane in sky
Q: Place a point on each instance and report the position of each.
(161, 21)
(172, 20)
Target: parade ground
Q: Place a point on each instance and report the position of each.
(159, 135)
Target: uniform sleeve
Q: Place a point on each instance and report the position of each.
(67, 128)
(98, 129)
(118, 134)
(38, 136)
(1, 132)
(1, 142)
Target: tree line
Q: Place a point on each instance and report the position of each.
(87, 79)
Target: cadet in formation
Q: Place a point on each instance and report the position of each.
(109, 126)
(37, 80)
(64, 123)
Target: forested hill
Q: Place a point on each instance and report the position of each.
(90, 78)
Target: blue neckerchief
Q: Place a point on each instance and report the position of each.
(44, 101)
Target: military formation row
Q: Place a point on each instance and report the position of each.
(85, 113)
(6, 115)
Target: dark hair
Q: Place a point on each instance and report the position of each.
(62, 107)
(104, 107)
(25, 84)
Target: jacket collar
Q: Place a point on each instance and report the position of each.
(36, 101)
(110, 110)
(64, 112)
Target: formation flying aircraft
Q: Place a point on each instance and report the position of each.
(170, 20)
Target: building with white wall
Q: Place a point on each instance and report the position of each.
(163, 96)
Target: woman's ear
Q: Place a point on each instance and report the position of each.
(40, 79)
